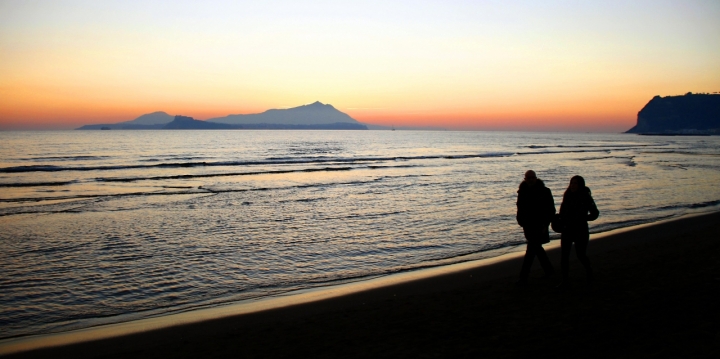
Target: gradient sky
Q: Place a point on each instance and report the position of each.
(526, 65)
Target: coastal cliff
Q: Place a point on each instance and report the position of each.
(679, 115)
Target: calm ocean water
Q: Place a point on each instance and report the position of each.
(108, 226)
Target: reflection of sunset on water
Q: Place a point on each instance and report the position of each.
(111, 226)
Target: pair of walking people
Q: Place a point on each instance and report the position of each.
(535, 211)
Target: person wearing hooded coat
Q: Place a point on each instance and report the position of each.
(535, 210)
(577, 208)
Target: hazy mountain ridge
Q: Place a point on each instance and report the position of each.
(313, 116)
(189, 123)
(688, 114)
(315, 113)
(155, 118)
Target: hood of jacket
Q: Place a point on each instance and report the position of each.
(525, 186)
(585, 191)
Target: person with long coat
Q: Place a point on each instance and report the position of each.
(577, 208)
(535, 210)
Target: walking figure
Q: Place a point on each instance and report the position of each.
(577, 208)
(535, 210)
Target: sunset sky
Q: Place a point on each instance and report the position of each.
(487, 65)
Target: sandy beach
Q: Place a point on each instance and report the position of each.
(655, 295)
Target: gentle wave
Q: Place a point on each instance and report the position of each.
(65, 158)
(692, 205)
(594, 150)
(187, 190)
(280, 161)
(287, 161)
(37, 184)
(167, 232)
(590, 146)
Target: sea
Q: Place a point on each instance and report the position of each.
(100, 227)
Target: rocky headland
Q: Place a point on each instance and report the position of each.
(691, 114)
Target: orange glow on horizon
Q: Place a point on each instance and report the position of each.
(454, 65)
(507, 122)
(69, 118)
(37, 108)
(34, 107)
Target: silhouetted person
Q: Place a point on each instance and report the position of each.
(535, 210)
(577, 208)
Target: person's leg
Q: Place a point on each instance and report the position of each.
(530, 252)
(544, 260)
(565, 247)
(527, 262)
(581, 251)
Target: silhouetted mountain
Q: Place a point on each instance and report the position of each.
(189, 123)
(155, 118)
(150, 121)
(316, 116)
(322, 126)
(312, 114)
(688, 114)
(121, 126)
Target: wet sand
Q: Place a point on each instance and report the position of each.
(656, 295)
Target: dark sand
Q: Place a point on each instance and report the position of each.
(656, 295)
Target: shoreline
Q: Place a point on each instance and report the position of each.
(269, 301)
(349, 296)
(252, 305)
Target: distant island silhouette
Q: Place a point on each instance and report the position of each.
(315, 116)
(315, 113)
(690, 114)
